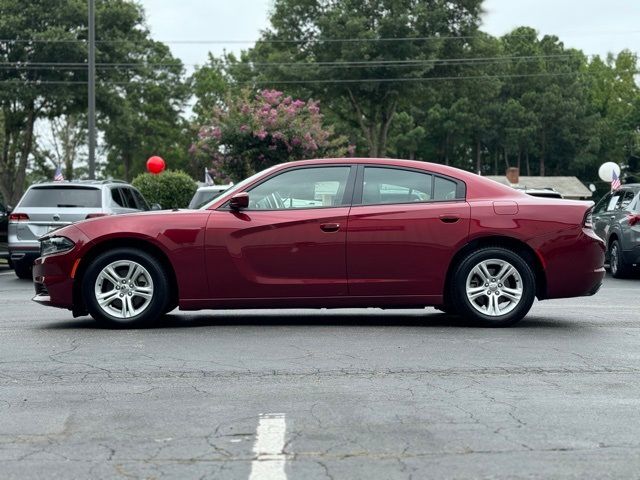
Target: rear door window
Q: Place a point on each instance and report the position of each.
(62, 197)
(444, 189)
(117, 197)
(391, 185)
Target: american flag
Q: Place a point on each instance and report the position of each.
(615, 182)
(58, 177)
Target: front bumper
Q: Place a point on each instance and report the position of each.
(52, 275)
(53, 282)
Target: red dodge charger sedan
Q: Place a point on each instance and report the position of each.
(330, 233)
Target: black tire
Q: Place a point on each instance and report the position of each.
(160, 291)
(23, 270)
(464, 306)
(619, 269)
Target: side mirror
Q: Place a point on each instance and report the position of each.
(9, 208)
(239, 201)
(156, 206)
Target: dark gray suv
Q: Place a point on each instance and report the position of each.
(616, 219)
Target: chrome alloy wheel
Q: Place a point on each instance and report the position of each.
(124, 289)
(494, 287)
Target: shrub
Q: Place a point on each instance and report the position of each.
(170, 189)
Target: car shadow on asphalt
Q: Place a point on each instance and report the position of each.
(319, 318)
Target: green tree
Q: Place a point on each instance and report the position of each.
(310, 35)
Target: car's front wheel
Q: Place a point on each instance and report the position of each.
(493, 287)
(125, 287)
(23, 270)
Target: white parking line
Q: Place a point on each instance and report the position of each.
(270, 458)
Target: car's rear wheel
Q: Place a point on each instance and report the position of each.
(493, 287)
(619, 269)
(125, 287)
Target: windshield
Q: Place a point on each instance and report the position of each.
(238, 187)
(62, 197)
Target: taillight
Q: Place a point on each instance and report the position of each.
(588, 219)
(95, 215)
(18, 217)
(634, 219)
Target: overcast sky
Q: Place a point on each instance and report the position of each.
(595, 26)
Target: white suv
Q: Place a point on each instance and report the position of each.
(45, 207)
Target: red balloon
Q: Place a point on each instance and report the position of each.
(155, 165)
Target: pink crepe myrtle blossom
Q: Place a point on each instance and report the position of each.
(255, 131)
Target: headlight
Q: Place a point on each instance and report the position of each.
(52, 245)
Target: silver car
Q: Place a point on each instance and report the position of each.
(48, 206)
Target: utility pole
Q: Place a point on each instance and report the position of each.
(92, 89)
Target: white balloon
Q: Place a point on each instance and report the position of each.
(606, 171)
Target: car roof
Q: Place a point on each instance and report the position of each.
(630, 186)
(478, 187)
(80, 183)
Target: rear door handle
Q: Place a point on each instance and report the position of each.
(449, 218)
(330, 227)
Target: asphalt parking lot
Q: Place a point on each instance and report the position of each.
(356, 394)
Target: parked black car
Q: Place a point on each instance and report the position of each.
(4, 223)
(616, 219)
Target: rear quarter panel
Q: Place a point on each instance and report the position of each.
(568, 253)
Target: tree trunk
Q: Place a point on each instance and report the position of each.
(479, 157)
(21, 170)
(519, 158)
(495, 161)
(127, 165)
(528, 164)
(446, 148)
(543, 153)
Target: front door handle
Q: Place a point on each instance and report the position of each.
(330, 227)
(449, 218)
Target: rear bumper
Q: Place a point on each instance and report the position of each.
(574, 265)
(24, 254)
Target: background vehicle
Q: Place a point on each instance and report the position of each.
(4, 224)
(205, 194)
(541, 192)
(381, 233)
(616, 220)
(46, 207)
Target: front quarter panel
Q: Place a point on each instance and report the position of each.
(179, 235)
